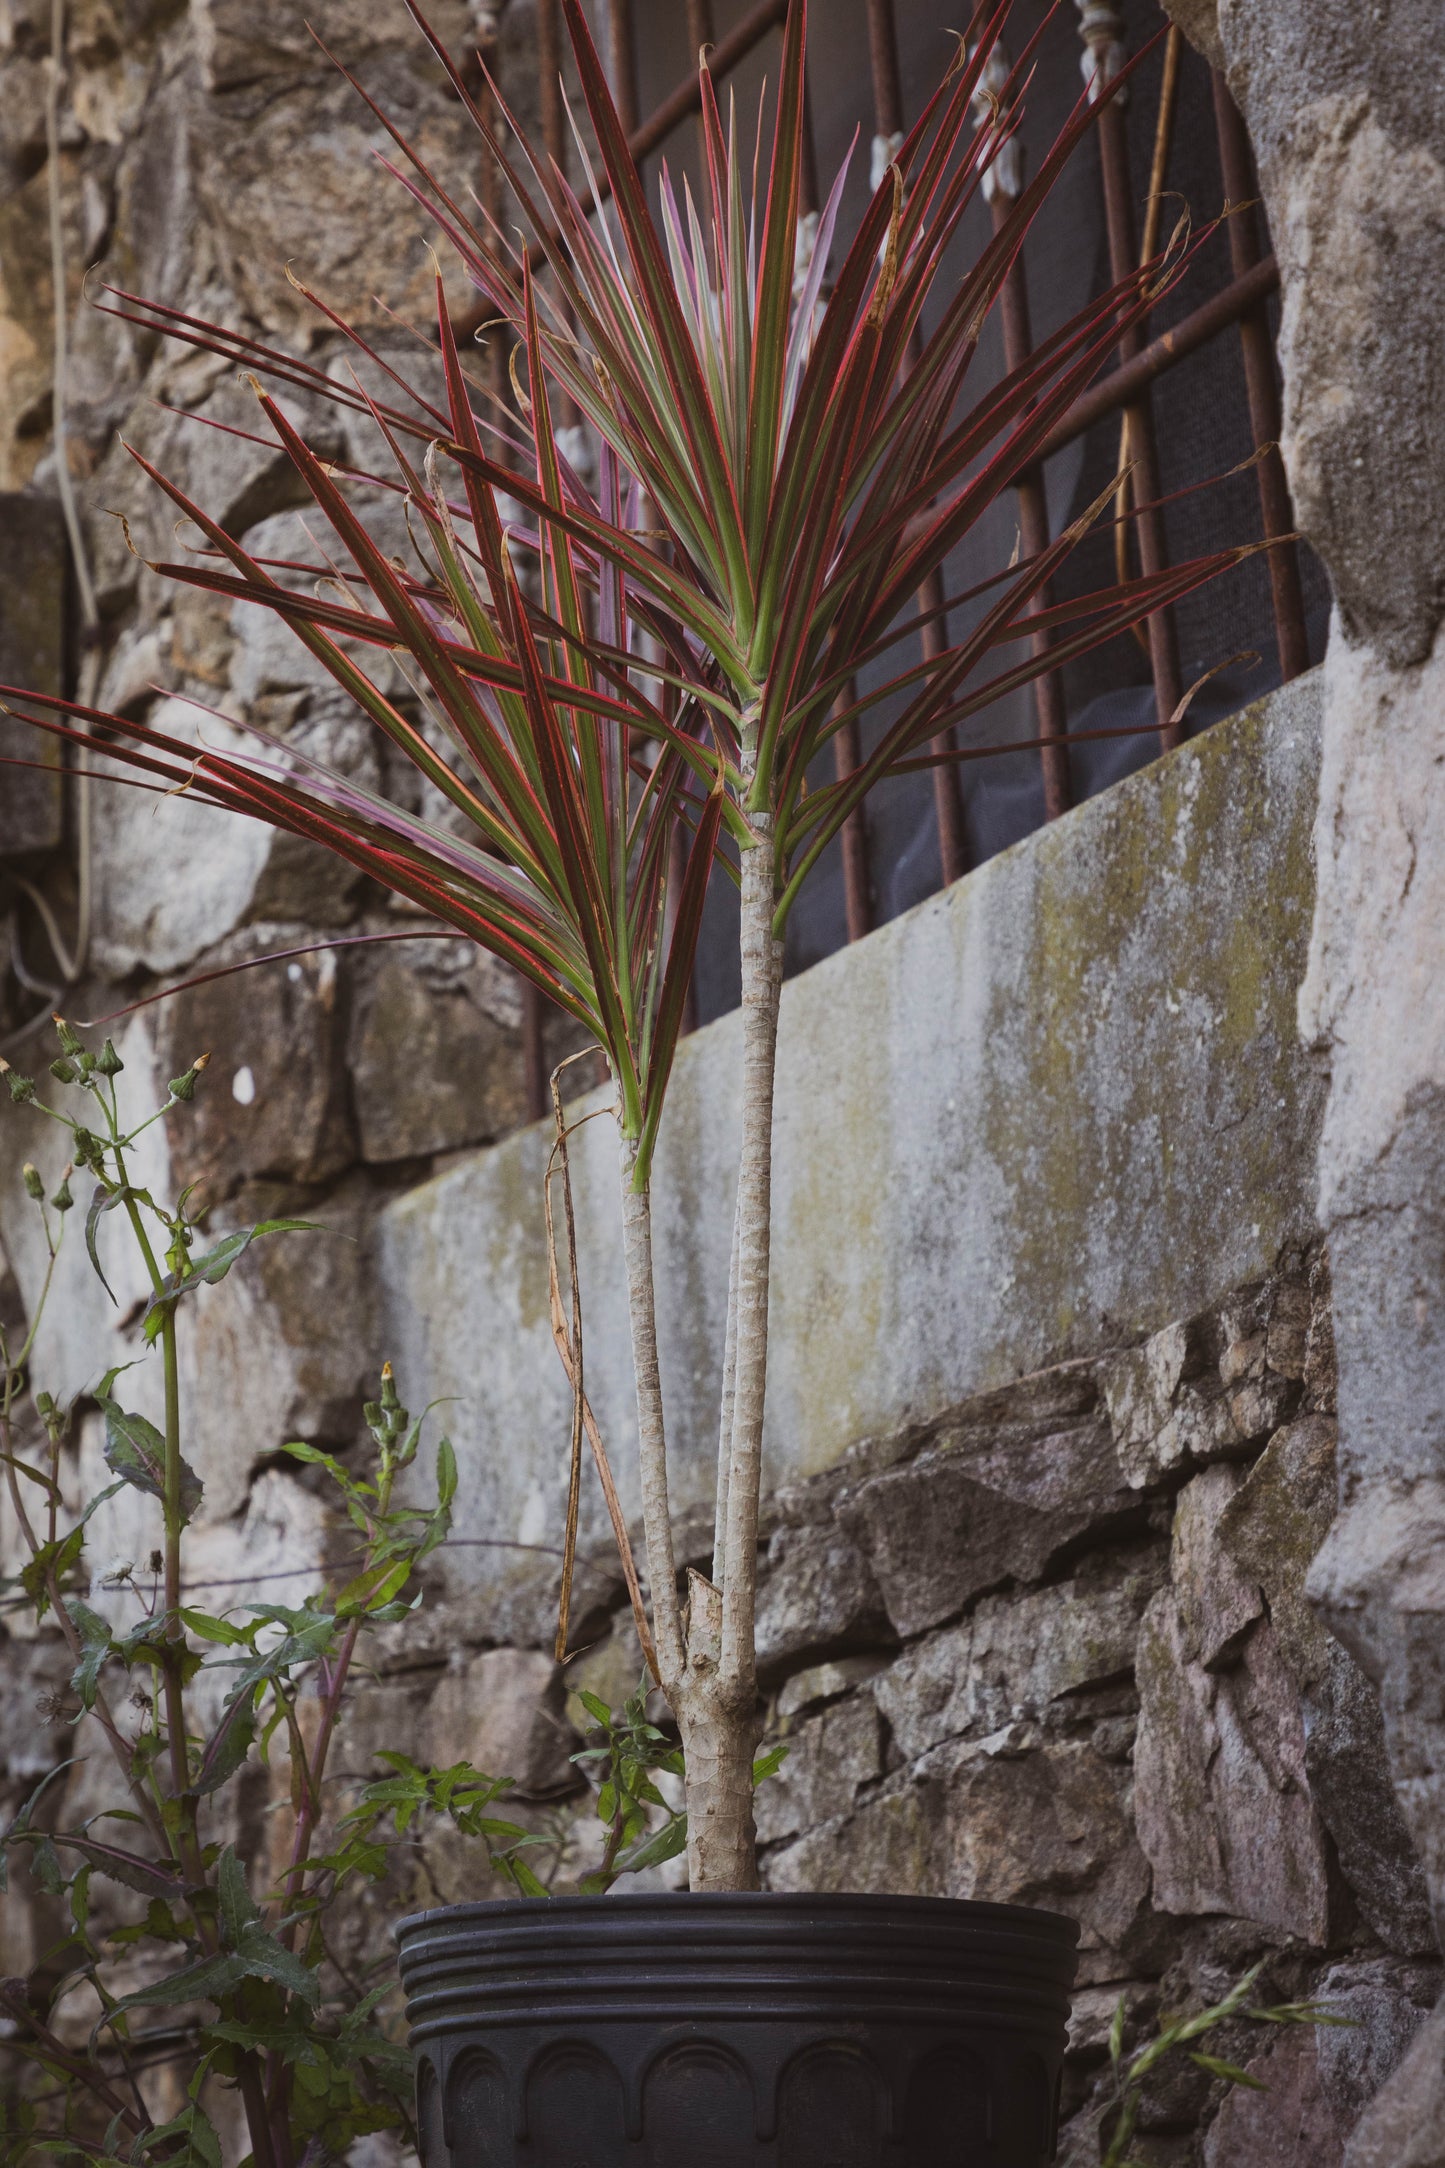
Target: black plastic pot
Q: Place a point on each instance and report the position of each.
(737, 2032)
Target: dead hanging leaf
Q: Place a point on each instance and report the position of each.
(567, 1337)
(1246, 655)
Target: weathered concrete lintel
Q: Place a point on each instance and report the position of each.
(1041, 1114)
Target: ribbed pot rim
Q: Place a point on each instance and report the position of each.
(716, 1909)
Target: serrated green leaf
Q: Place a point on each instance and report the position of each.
(148, 1877)
(52, 1559)
(521, 1875)
(96, 1645)
(377, 1585)
(136, 1452)
(211, 1268)
(208, 1628)
(105, 1200)
(207, 1980)
(237, 1909)
(45, 1867)
(194, 2125)
(268, 1959)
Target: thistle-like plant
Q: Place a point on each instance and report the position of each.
(786, 458)
(240, 1985)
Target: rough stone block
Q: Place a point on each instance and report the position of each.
(815, 1595)
(1384, 2003)
(503, 1713)
(1270, 1531)
(173, 883)
(890, 1845)
(1290, 2124)
(35, 1710)
(1198, 1392)
(821, 1683)
(273, 1101)
(1221, 1796)
(830, 1757)
(1404, 2126)
(1349, 1772)
(32, 653)
(949, 1525)
(1218, 1604)
(1271, 1528)
(1009, 1661)
(282, 1348)
(1004, 1821)
(430, 1070)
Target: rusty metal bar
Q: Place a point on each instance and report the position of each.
(847, 739)
(488, 29)
(1161, 355)
(888, 135)
(1257, 349)
(700, 37)
(725, 56)
(1125, 384)
(622, 61)
(1102, 31)
(1034, 536)
(555, 133)
(679, 103)
(1002, 185)
(549, 73)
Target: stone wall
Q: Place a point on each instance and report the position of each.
(1052, 1436)
(1347, 110)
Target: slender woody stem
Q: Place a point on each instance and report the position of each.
(725, 1419)
(762, 980)
(651, 1432)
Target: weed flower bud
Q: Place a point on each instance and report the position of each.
(68, 1038)
(22, 1088)
(63, 1071)
(62, 1200)
(34, 1187)
(184, 1087)
(107, 1061)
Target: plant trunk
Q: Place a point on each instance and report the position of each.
(762, 977)
(709, 1666)
(719, 1740)
(651, 1432)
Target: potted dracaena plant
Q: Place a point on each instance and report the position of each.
(784, 460)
